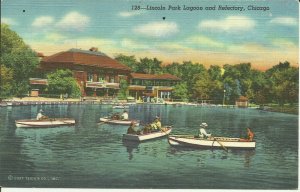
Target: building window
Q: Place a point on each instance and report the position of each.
(90, 77)
(111, 79)
(101, 77)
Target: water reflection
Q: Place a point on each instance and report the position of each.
(130, 146)
(38, 134)
(247, 154)
(94, 155)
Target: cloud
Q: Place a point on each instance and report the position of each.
(55, 37)
(130, 44)
(229, 24)
(205, 41)
(129, 13)
(171, 46)
(49, 46)
(43, 21)
(287, 21)
(157, 29)
(283, 43)
(8, 21)
(73, 21)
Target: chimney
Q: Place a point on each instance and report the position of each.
(94, 49)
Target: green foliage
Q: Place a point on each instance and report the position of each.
(129, 61)
(62, 82)
(180, 91)
(149, 66)
(6, 85)
(123, 92)
(18, 58)
(284, 83)
(278, 84)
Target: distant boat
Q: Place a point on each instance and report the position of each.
(51, 122)
(120, 107)
(148, 136)
(117, 121)
(215, 142)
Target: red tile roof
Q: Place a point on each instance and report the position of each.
(165, 76)
(89, 58)
(242, 99)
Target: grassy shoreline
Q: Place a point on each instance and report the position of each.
(283, 109)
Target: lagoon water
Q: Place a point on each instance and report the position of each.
(90, 155)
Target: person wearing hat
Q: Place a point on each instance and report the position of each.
(202, 131)
(124, 115)
(40, 115)
(156, 125)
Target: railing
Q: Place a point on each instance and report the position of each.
(102, 85)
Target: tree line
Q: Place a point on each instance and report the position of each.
(279, 84)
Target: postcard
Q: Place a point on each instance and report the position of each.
(149, 94)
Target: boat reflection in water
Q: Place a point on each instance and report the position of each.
(130, 146)
(38, 134)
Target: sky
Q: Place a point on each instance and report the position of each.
(209, 37)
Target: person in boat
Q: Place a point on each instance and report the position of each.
(132, 128)
(115, 116)
(156, 124)
(40, 115)
(124, 115)
(249, 137)
(202, 131)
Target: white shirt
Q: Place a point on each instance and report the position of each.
(203, 133)
(39, 116)
(125, 116)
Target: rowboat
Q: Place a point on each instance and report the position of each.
(118, 122)
(51, 122)
(148, 136)
(120, 107)
(213, 142)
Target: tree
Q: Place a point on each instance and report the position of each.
(6, 85)
(123, 92)
(18, 58)
(149, 66)
(284, 83)
(215, 72)
(62, 82)
(129, 61)
(180, 91)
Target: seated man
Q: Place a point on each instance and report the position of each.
(40, 115)
(202, 131)
(124, 115)
(131, 129)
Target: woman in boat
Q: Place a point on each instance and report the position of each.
(249, 137)
(202, 131)
(124, 115)
(156, 125)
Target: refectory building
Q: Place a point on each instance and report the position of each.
(96, 73)
(152, 85)
(99, 75)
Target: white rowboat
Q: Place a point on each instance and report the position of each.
(120, 107)
(214, 142)
(148, 136)
(55, 122)
(118, 122)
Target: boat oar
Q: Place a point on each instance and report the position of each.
(221, 144)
